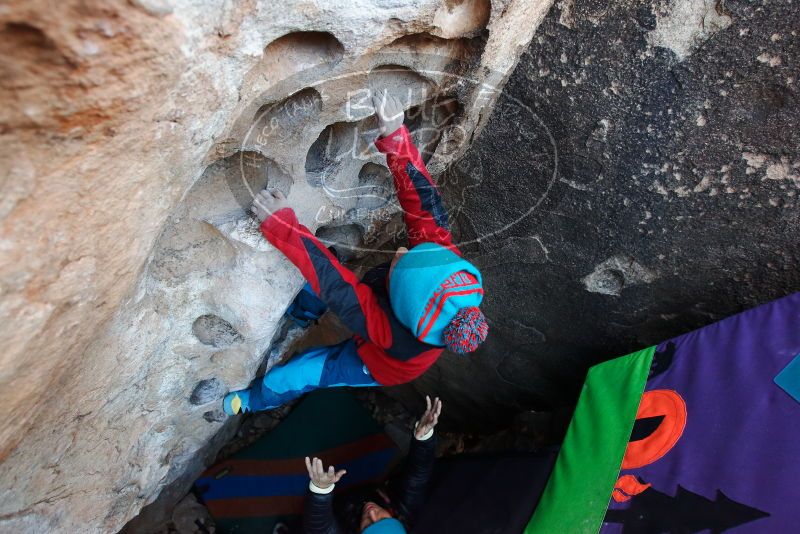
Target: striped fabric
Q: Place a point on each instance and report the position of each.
(267, 482)
(457, 285)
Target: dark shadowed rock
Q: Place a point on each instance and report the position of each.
(675, 202)
(216, 331)
(207, 391)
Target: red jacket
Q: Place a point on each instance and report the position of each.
(390, 351)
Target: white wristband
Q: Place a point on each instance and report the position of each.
(427, 435)
(316, 489)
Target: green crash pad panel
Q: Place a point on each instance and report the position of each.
(579, 489)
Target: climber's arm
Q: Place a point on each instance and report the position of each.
(423, 210)
(318, 515)
(421, 457)
(337, 286)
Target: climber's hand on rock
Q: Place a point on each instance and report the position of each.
(429, 418)
(319, 476)
(267, 202)
(389, 112)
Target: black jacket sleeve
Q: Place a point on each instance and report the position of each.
(414, 485)
(318, 516)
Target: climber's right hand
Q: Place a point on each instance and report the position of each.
(429, 419)
(321, 478)
(389, 111)
(267, 202)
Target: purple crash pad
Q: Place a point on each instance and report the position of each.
(736, 464)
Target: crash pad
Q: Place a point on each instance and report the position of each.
(266, 482)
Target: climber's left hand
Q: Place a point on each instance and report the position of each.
(267, 202)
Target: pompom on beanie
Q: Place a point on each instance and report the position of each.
(466, 330)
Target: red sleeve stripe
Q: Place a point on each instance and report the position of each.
(353, 302)
(424, 212)
(338, 287)
(285, 233)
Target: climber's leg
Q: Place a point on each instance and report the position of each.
(306, 307)
(319, 367)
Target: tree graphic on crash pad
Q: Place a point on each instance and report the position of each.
(662, 360)
(653, 512)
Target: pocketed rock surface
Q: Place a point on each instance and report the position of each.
(134, 288)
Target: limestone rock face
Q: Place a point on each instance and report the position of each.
(134, 288)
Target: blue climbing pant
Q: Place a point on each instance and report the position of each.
(318, 367)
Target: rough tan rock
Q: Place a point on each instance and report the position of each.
(134, 289)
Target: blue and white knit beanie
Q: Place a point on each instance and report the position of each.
(435, 293)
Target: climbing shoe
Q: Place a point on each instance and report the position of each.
(237, 402)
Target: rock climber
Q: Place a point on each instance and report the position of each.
(403, 313)
(388, 509)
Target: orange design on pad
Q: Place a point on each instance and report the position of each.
(655, 403)
(626, 487)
